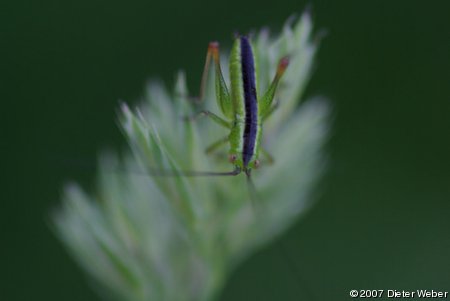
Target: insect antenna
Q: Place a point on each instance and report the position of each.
(293, 267)
(290, 262)
(253, 193)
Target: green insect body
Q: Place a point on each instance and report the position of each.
(243, 109)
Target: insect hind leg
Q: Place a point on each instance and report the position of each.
(274, 107)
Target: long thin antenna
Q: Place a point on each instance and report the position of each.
(254, 198)
(295, 270)
(256, 203)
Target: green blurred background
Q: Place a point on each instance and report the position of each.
(382, 220)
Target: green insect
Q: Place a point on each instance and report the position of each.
(244, 110)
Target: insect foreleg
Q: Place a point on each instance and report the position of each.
(217, 144)
(212, 116)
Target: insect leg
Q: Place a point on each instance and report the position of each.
(222, 95)
(213, 117)
(271, 110)
(267, 99)
(217, 144)
(205, 72)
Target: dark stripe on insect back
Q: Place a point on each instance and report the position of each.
(251, 105)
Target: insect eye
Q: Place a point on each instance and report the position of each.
(232, 158)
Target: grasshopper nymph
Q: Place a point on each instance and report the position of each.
(243, 109)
